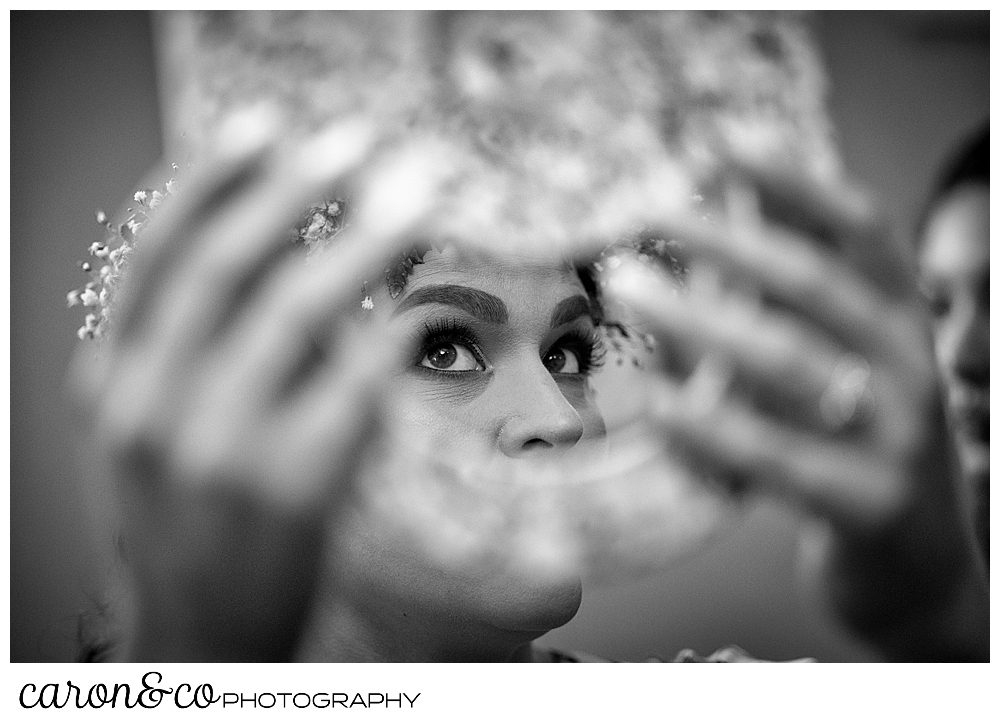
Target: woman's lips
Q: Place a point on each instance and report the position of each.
(973, 424)
(970, 413)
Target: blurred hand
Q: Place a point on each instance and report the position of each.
(798, 362)
(237, 390)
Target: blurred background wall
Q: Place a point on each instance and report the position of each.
(84, 128)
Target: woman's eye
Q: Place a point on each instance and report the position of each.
(451, 357)
(561, 360)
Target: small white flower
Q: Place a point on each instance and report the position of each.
(102, 218)
(156, 200)
(73, 297)
(105, 272)
(90, 328)
(140, 196)
(172, 184)
(103, 297)
(318, 221)
(88, 297)
(367, 303)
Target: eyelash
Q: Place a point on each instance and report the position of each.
(448, 331)
(589, 347)
(587, 344)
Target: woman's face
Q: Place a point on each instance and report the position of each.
(955, 271)
(500, 354)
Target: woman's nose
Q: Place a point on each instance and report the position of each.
(538, 417)
(972, 353)
(962, 340)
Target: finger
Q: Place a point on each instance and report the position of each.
(298, 456)
(788, 270)
(837, 213)
(157, 387)
(132, 421)
(244, 146)
(240, 243)
(837, 479)
(295, 319)
(149, 380)
(291, 328)
(235, 252)
(339, 414)
(112, 382)
(781, 363)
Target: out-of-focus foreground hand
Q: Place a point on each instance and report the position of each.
(235, 394)
(799, 363)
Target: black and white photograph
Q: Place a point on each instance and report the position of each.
(498, 336)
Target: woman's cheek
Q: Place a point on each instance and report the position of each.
(579, 392)
(455, 411)
(440, 408)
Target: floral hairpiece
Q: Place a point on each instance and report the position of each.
(110, 258)
(323, 223)
(318, 228)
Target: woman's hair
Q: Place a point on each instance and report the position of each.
(969, 162)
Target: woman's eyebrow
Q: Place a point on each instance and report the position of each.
(569, 310)
(479, 304)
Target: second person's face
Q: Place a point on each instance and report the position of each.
(955, 272)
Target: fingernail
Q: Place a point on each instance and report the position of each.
(249, 130)
(634, 281)
(404, 189)
(334, 150)
(705, 389)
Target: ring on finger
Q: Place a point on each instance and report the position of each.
(847, 402)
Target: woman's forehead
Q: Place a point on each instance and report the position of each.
(957, 236)
(501, 275)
